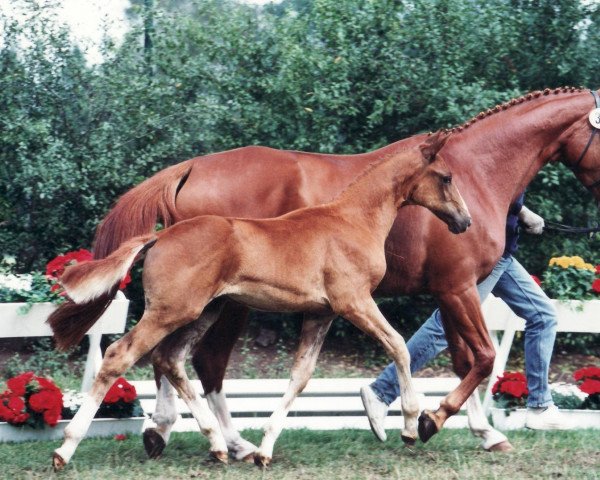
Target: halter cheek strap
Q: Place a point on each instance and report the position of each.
(594, 131)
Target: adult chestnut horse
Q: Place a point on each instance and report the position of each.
(493, 157)
(323, 260)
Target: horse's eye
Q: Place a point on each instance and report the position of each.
(447, 179)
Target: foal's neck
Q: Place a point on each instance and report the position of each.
(374, 197)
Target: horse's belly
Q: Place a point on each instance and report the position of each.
(272, 299)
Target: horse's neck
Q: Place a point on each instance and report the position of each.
(501, 154)
(372, 200)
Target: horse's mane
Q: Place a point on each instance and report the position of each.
(510, 103)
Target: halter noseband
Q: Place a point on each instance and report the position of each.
(595, 130)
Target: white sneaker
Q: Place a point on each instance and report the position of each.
(376, 411)
(549, 418)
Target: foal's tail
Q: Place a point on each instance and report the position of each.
(91, 286)
(138, 210)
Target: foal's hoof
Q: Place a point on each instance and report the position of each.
(408, 441)
(220, 456)
(154, 444)
(503, 447)
(427, 427)
(248, 458)
(261, 460)
(58, 462)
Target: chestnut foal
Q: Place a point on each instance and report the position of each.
(324, 261)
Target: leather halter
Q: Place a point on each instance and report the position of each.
(595, 130)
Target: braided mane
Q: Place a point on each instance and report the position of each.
(510, 103)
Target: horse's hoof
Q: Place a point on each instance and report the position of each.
(427, 427)
(248, 458)
(261, 461)
(58, 462)
(408, 441)
(154, 444)
(503, 447)
(219, 456)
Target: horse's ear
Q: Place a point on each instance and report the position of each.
(433, 144)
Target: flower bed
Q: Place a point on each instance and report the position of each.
(34, 408)
(580, 403)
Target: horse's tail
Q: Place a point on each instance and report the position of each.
(91, 286)
(138, 210)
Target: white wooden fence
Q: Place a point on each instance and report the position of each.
(13, 324)
(325, 403)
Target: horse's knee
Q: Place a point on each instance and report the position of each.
(484, 361)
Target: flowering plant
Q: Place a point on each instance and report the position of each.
(120, 402)
(31, 400)
(571, 278)
(36, 287)
(588, 379)
(510, 390)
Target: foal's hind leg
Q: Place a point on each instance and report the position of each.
(169, 359)
(314, 330)
(210, 358)
(119, 357)
(364, 314)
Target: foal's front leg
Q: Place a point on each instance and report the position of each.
(314, 330)
(364, 314)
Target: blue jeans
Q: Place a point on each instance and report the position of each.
(510, 282)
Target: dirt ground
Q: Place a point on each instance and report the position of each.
(338, 359)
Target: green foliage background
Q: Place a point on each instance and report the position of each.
(322, 75)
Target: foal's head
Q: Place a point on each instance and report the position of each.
(433, 188)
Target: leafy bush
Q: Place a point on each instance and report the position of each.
(320, 75)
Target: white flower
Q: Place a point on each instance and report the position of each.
(72, 399)
(568, 390)
(16, 282)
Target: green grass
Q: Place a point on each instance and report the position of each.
(302, 454)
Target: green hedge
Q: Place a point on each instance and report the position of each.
(322, 75)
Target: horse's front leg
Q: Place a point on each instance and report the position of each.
(472, 355)
(365, 315)
(314, 330)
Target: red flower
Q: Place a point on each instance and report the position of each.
(516, 389)
(596, 285)
(120, 390)
(537, 280)
(126, 281)
(17, 384)
(51, 417)
(120, 437)
(56, 267)
(590, 386)
(587, 372)
(597, 269)
(45, 400)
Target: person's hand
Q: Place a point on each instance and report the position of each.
(532, 222)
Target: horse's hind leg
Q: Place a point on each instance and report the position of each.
(119, 356)
(169, 359)
(165, 416)
(314, 330)
(210, 358)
